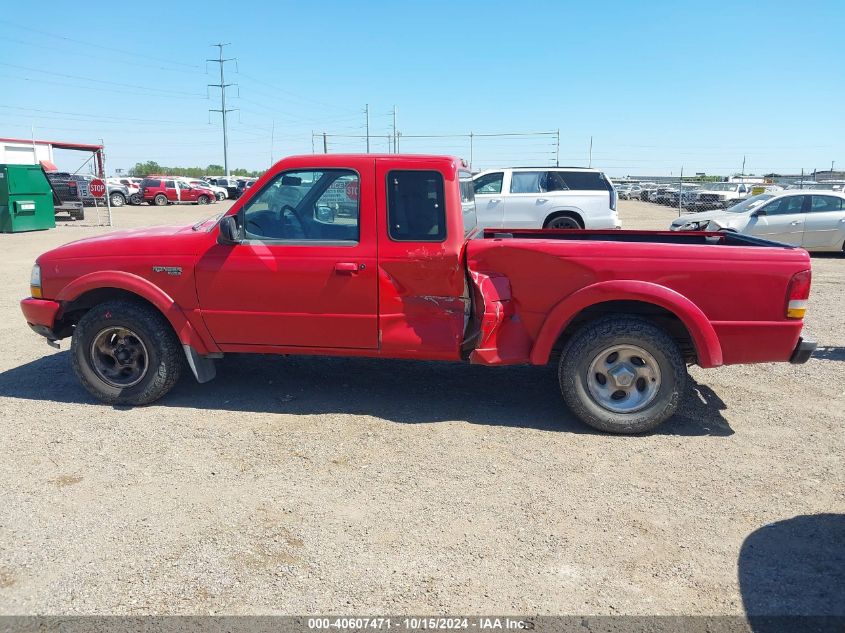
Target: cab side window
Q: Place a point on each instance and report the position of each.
(307, 205)
(416, 210)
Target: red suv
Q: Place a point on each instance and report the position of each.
(162, 191)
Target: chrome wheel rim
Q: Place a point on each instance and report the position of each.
(623, 378)
(119, 357)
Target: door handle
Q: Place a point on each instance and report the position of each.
(795, 222)
(347, 267)
(496, 200)
(542, 200)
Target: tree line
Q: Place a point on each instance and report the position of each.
(152, 167)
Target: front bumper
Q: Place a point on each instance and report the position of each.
(40, 315)
(802, 352)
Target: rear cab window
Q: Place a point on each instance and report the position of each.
(416, 210)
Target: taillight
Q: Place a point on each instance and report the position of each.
(797, 295)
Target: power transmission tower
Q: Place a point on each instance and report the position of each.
(223, 85)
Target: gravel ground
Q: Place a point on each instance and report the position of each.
(305, 485)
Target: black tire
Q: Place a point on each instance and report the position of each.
(562, 221)
(164, 358)
(588, 343)
(220, 196)
(117, 199)
(160, 200)
(203, 199)
(77, 215)
(135, 199)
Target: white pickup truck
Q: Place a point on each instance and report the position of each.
(720, 195)
(545, 197)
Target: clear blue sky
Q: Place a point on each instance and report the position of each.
(658, 85)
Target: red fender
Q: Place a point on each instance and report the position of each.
(704, 337)
(185, 331)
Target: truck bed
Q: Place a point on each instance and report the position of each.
(726, 238)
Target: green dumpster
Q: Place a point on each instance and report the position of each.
(26, 199)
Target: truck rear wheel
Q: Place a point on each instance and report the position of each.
(622, 375)
(126, 353)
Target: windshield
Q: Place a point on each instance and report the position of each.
(751, 203)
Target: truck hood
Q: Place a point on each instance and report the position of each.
(155, 240)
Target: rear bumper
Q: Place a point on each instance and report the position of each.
(40, 315)
(802, 352)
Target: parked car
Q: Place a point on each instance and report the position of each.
(721, 195)
(542, 197)
(132, 188)
(66, 198)
(118, 193)
(687, 195)
(220, 193)
(410, 276)
(814, 221)
(631, 192)
(162, 190)
(646, 191)
(230, 185)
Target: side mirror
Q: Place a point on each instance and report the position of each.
(229, 231)
(325, 214)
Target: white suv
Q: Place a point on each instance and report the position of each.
(545, 197)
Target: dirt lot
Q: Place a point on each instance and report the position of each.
(304, 485)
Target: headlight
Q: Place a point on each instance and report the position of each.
(694, 226)
(35, 282)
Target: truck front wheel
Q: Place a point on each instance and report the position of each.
(622, 375)
(126, 353)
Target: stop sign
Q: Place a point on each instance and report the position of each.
(97, 188)
(352, 190)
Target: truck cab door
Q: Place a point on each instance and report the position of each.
(305, 274)
(489, 203)
(781, 220)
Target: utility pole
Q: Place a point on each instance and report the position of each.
(272, 140)
(223, 85)
(743, 169)
(367, 115)
(557, 149)
(470, 149)
(312, 142)
(590, 159)
(395, 151)
(681, 193)
(325, 144)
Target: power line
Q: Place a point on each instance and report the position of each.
(99, 81)
(100, 46)
(109, 90)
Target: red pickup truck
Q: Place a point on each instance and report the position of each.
(379, 255)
